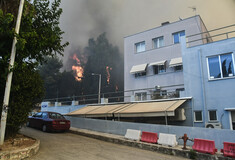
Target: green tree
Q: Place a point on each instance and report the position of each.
(50, 73)
(40, 36)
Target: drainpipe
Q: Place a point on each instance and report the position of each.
(205, 115)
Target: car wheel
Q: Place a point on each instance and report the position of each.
(44, 128)
(27, 124)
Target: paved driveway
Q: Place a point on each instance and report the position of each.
(68, 146)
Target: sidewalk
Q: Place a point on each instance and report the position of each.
(176, 151)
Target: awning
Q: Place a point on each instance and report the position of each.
(83, 111)
(158, 63)
(150, 109)
(176, 62)
(142, 109)
(104, 111)
(138, 68)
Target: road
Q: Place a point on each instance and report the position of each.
(68, 146)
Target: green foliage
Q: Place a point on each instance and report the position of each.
(26, 93)
(50, 73)
(192, 154)
(40, 36)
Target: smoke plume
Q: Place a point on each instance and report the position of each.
(84, 19)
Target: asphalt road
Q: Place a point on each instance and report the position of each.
(68, 146)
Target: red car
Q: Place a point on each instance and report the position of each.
(48, 121)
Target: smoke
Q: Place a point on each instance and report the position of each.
(84, 19)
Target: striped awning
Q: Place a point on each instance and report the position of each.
(158, 63)
(176, 62)
(138, 68)
(136, 109)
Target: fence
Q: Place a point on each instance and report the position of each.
(111, 97)
(119, 128)
(211, 36)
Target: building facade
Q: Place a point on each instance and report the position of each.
(209, 77)
(153, 65)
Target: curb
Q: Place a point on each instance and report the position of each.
(174, 151)
(21, 153)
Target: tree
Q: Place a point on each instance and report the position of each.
(104, 59)
(40, 36)
(50, 73)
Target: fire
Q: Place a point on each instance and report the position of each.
(108, 69)
(77, 68)
(116, 88)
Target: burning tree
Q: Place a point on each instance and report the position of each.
(104, 59)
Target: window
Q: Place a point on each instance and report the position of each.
(177, 35)
(39, 115)
(140, 74)
(56, 116)
(178, 68)
(158, 42)
(44, 115)
(221, 66)
(177, 92)
(198, 116)
(159, 69)
(141, 96)
(140, 47)
(163, 93)
(212, 116)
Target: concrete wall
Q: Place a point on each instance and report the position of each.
(168, 52)
(216, 94)
(119, 128)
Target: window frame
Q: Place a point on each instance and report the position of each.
(156, 69)
(177, 33)
(141, 96)
(140, 74)
(139, 43)
(178, 70)
(209, 118)
(195, 120)
(220, 66)
(158, 42)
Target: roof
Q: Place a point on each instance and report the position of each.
(166, 25)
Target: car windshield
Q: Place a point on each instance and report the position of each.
(56, 116)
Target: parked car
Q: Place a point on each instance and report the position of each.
(48, 121)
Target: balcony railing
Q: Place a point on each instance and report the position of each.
(211, 36)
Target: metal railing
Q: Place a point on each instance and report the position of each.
(118, 96)
(211, 36)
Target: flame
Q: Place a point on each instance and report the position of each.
(108, 69)
(77, 68)
(116, 88)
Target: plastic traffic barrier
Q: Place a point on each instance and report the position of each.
(133, 134)
(167, 139)
(204, 146)
(229, 149)
(149, 137)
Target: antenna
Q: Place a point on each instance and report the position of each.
(194, 9)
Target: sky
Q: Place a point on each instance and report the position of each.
(84, 19)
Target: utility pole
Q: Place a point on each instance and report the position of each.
(9, 77)
(94, 74)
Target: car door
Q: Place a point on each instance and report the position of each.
(37, 120)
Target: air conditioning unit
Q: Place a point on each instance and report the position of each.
(214, 125)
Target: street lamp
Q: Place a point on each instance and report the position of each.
(94, 74)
